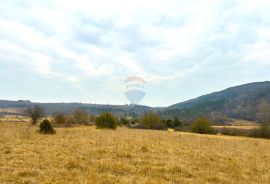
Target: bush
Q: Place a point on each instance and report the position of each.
(262, 132)
(202, 126)
(106, 120)
(46, 127)
(234, 131)
(134, 121)
(152, 121)
(61, 120)
(175, 123)
(80, 116)
(168, 122)
(124, 121)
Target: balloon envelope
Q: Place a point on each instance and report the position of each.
(134, 89)
(135, 96)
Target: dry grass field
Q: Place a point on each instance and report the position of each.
(87, 155)
(12, 110)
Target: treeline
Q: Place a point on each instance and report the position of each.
(149, 120)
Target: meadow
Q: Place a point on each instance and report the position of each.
(84, 154)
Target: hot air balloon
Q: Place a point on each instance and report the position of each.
(134, 89)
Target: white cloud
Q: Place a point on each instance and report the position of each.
(102, 42)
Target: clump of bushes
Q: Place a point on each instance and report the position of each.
(151, 120)
(124, 121)
(80, 116)
(234, 131)
(106, 120)
(46, 127)
(202, 126)
(173, 123)
(262, 132)
(62, 120)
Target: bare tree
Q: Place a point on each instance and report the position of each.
(35, 113)
(80, 116)
(263, 115)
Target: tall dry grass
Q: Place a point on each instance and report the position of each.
(87, 155)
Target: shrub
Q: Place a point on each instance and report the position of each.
(46, 127)
(80, 116)
(234, 131)
(168, 122)
(135, 121)
(106, 120)
(175, 123)
(124, 121)
(202, 126)
(152, 121)
(262, 132)
(61, 120)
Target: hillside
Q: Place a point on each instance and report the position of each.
(7, 108)
(236, 102)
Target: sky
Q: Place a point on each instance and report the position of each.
(83, 50)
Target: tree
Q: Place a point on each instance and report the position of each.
(106, 120)
(35, 113)
(80, 116)
(264, 113)
(176, 122)
(62, 120)
(202, 126)
(151, 120)
(169, 123)
(173, 123)
(263, 117)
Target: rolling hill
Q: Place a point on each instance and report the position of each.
(240, 102)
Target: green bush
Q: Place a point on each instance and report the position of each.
(46, 127)
(152, 121)
(202, 126)
(106, 120)
(168, 122)
(175, 123)
(124, 121)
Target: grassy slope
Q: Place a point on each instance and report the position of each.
(87, 155)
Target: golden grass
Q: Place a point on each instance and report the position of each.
(87, 155)
(14, 118)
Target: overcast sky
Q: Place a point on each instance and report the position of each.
(66, 51)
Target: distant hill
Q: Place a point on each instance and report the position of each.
(239, 102)
(50, 108)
